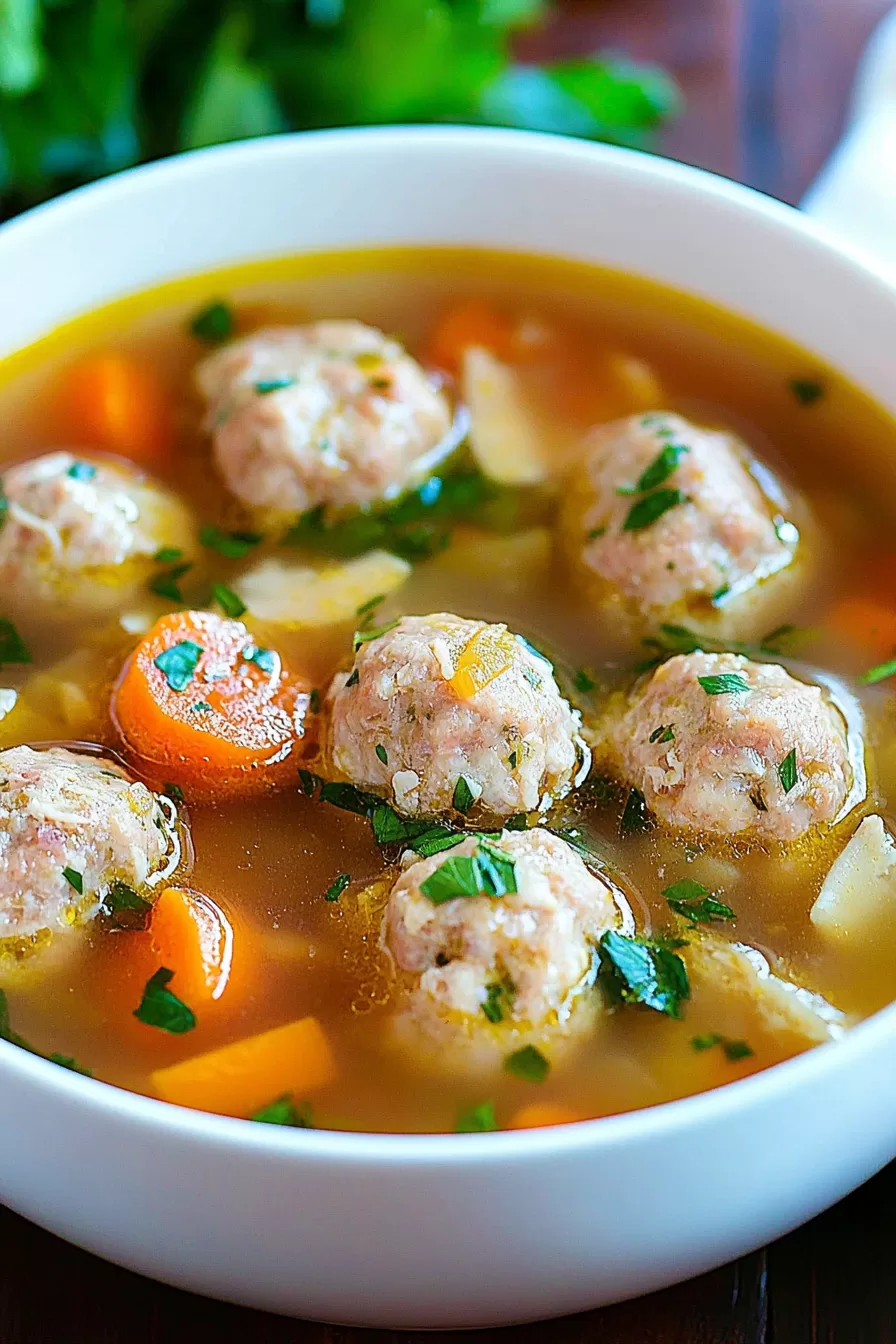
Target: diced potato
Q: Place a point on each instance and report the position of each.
(504, 431)
(859, 892)
(516, 562)
(297, 595)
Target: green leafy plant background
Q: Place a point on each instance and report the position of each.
(91, 86)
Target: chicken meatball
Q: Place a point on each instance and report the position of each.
(719, 744)
(442, 712)
(80, 534)
(665, 520)
(519, 951)
(71, 825)
(332, 414)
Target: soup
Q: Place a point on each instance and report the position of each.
(483, 726)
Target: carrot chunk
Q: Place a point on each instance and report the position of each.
(868, 623)
(201, 706)
(540, 1114)
(192, 936)
(473, 322)
(241, 1078)
(112, 400)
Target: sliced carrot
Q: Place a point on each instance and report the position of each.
(201, 706)
(865, 622)
(114, 401)
(472, 322)
(241, 1078)
(193, 937)
(540, 1114)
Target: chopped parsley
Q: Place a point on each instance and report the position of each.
(232, 545)
(174, 791)
(726, 683)
(370, 605)
(336, 888)
(434, 840)
(160, 1008)
(665, 733)
(788, 771)
(661, 468)
(365, 636)
(267, 385)
(512, 759)
(584, 681)
(679, 639)
(353, 679)
(178, 664)
(13, 1037)
(734, 1050)
(596, 532)
(74, 879)
(13, 649)
(477, 1120)
(635, 815)
(284, 1111)
(167, 584)
(693, 901)
(807, 390)
(166, 555)
(81, 471)
(200, 707)
(651, 507)
(528, 1064)
(266, 659)
(309, 783)
(498, 997)
(879, 673)
(721, 593)
(642, 971)
(381, 753)
(124, 907)
(464, 797)
(230, 602)
(314, 700)
(214, 323)
(488, 872)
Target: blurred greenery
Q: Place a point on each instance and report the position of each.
(90, 86)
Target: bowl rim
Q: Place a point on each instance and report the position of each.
(356, 1148)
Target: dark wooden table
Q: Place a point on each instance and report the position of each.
(767, 83)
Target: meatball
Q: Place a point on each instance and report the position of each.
(439, 711)
(719, 744)
(65, 812)
(519, 957)
(80, 534)
(332, 414)
(666, 520)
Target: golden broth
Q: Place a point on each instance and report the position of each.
(267, 863)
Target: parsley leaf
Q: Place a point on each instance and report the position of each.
(641, 971)
(335, 889)
(636, 816)
(661, 467)
(389, 827)
(498, 996)
(365, 636)
(161, 1008)
(166, 555)
(477, 1120)
(734, 1050)
(652, 507)
(788, 771)
(435, 839)
(284, 1111)
(230, 602)
(807, 390)
(232, 545)
(124, 907)
(174, 791)
(167, 585)
(693, 901)
(381, 753)
(74, 879)
(584, 681)
(528, 1064)
(266, 659)
(370, 605)
(214, 323)
(81, 471)
(488, 872)
(268, 385)
(879, 673)
(726, 683)
(464, 797)
(178, 664)
(12, 647)
(665, 733)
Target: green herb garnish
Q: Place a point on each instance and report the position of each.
(498, 997)
(12, 647)
(661, 467)
(178, 664)
(807, 390)
(166, 555)
(365, 636)
(584, 681)
(230, 602)
(435, 839)
(268, 385)
(879, 673)
(125, 908)
(528, 1064)
(336, 888)
(174, 791)
(81, 471)
(652, 507)
(167, 585)
(232, 545)
(74, 879)
(734, 1050)
(596, 532)
(477, 1120)
(266, 659)
(370, 605)
(284, 1111)
(214, 323)
(314, 701)
(160, 1008)
(693, 901)
(353, 679)
(665, 733)
(642, 971)
(788, 772)
(381, 753)
(726, 683)
(635, 815)
(464, 797)
(488, 872)
(310, 783)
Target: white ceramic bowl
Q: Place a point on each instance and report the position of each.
(473, 1229)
